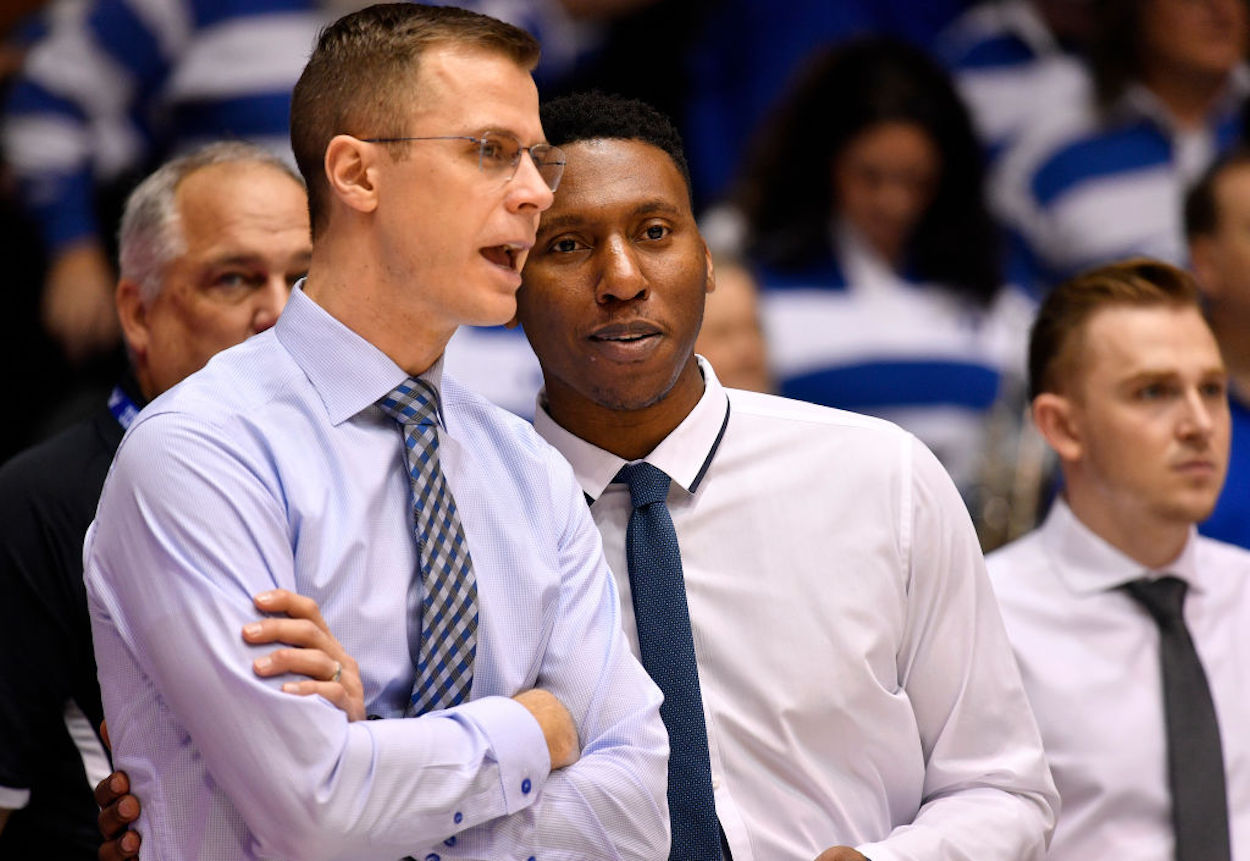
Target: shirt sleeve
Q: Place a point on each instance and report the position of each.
(191, 524)
(612, 802)
(988, 793)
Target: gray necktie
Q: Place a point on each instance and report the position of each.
(448, 623)
(1195, 756)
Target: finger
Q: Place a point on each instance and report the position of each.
(313, 663)
(295, 605)
(115, 818)
(293, 632)
(335, 692)
(111, 788)
(120, 850)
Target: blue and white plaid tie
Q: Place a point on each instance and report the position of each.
(448, 625)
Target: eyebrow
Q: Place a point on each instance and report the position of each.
(573, 219)
(253, 259)
(1156, 374)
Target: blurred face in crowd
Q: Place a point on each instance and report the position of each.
(1221, 260)
(245, 230)
(614, 290)
(731, 337)
(883, 181)
(459, 232)
(1146, 416)
(1193, 37)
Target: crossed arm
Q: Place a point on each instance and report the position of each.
(308, 650)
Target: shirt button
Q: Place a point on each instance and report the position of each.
(431, 857)
(525, 786)
(458, 818)
(450, 841)
(716, 783)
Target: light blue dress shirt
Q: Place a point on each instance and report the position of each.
(272, 467)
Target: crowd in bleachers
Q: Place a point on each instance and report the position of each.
(888, 188)
(900, 180)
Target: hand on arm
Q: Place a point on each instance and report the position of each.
(840, 853)
(118, 809)
(317, 654)
(557, 726)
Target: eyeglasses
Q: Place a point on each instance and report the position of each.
(499, 154)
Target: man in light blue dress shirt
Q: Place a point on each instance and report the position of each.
(275, 468)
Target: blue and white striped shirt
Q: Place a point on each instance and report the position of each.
(116, 85)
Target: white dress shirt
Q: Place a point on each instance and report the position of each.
(857, 684)
(273, 467)
(1089, 655)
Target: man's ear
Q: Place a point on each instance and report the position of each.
(351, 171)
(1204, 261)
(133, 315)
(1058, 421)
(711, 269)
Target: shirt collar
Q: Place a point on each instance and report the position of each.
(684, 455)
(1088, 564)
(1138, 102)
(348, 372)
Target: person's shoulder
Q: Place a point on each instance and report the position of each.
(781, 410)
(859, 447)
(473, 416)
(1221, 558)
(237, 382)
(1009, 565)
(70, 466)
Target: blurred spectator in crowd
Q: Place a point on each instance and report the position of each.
(1101, 177)
(732, 335)
(876, 255)
(1131, 630)
(21, 341)
(1217, 225)
(745, 53)
(113, 86)
(1011, 58)
(210, 246)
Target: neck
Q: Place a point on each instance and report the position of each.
(344, 280)
(628, 433)
(1189, 98)
(1153, 545)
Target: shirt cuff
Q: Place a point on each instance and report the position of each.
(16, 799)
(519, 744)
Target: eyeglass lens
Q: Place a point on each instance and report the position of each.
(501, 155)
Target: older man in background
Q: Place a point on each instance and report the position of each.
(210, 245)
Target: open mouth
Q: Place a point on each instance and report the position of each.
(507, 256)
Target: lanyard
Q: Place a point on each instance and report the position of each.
(122, 407)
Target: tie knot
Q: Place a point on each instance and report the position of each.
(647, 484)
(1164, 598)
(413, 401)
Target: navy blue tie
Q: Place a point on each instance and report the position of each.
(659, 595)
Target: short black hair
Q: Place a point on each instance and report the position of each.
(1202, 216)
(599, 116)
